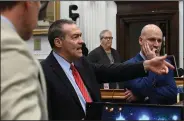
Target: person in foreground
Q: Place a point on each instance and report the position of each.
(72, 81)
(23, 88)
(105, 54)
(154, 88)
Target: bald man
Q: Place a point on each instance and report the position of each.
(153, 89)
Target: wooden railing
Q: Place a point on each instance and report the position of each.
(118, 94)
(112, 93)
(179, 81)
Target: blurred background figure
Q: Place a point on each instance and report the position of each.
(105, 54)
(23, 89)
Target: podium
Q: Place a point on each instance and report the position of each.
(117, 95)
(112, 95)
(180, 86)
(179, 81)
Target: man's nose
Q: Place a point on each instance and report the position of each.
(81, 40)
(156, 43)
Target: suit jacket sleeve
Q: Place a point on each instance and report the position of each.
(143, 87)
(19, 82)
(118, 71)
(166, 92)
(93, 56)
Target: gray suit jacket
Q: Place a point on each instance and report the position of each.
(23, 89)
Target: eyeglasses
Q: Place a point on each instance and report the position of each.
(107, 38)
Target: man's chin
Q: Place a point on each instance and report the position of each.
(26, 36)
(79, 56)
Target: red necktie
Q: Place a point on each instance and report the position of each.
(80, 84)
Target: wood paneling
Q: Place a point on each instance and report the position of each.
(133, 13)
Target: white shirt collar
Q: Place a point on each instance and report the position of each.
(62, 62)
(142, 55)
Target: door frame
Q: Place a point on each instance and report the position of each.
(172, 36)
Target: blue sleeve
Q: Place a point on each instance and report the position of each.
(164, 90)
(141, 87)
(167, 92)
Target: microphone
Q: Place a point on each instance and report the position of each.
(180, 72)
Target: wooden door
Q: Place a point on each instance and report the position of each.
(131, 18)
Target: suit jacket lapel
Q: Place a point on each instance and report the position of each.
(62, 77)
(138, 57)
(104, 55)
(116, 59)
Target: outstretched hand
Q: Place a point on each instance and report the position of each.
(158, 65)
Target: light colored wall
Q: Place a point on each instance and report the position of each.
(45, 47)
(94, 17)
(181, 43)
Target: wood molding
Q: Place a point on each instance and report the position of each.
(124, 21)
(118, 94)
(131, 12)
(112, 94)
(44, 31)
(179, 81)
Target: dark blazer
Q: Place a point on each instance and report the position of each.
(63, 102)
(98, 55)
(161, 89)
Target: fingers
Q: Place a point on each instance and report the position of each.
(165, 68)
(147, 47)
(154, 50)
(144, 48)
(129, 99)
(169, 65)
(129, 96)
(148, 52)
(162, 58)
(162, 71)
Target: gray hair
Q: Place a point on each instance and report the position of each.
(102, 33)
(56, 30)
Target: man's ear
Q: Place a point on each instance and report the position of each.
(27, 4)
(58, 42)
(140, 40)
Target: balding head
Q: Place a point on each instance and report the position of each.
(148, 29)
(152, 35)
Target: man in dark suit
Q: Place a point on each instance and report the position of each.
(151, 89)
(72, 80)
(105, 54)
